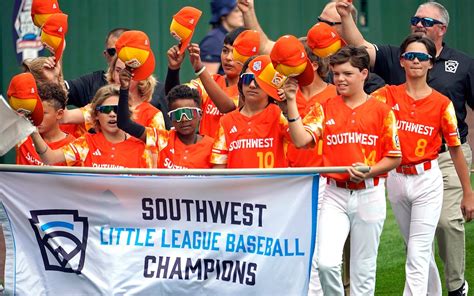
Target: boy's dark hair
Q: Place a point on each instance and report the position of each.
(358, 57)
(52, 93)
(183, 91)
(232, 35)
(116, 33)
(428, 43)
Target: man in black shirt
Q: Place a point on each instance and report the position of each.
(82, 89)
(453, 76)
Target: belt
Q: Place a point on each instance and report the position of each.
(414, 169)
(354, 186)
(444, 147)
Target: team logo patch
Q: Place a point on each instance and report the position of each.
(397, 141)
(133, 63)
(257, 66)
(62, 238)
(278, 79)
(451, 66)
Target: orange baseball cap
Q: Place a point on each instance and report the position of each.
(268, 79)
(23, 95)
(133, 48)
(289, 58)
(183, 24)
(41, 10)
(247, 44)
(324, 40)
(53, 33)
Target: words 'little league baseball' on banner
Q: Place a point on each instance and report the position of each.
(100, 234)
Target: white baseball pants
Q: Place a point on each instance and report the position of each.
(416, 202)
(362, 212)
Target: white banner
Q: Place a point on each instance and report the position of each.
(70, 234)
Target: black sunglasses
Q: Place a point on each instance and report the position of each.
(107, 109)
(421, 56)
(425, 21)
(328, 22)
(111, 51)
(247, 78)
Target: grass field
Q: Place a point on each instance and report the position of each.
(391, 258)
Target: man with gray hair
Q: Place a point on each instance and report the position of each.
(452, 75)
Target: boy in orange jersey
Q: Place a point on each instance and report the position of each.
(415, 189)
(109, 147)
(356, 130)
(181, 147)
(54, 99)
(216, 89)
(254, 136)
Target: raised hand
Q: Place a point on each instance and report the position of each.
(174, 58)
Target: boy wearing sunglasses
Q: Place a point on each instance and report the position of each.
(415, 188)
(181, 147)
(54, 102)
(451, 75)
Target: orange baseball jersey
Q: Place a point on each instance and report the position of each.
(210, 114)
(252, 142)
(144, 113)
(364, 134)
(93, 150)
(311, 156)
(27, 155)
(173, 154)
(421, 122)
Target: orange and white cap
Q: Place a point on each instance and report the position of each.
(133, 48)
(183, 24)
(324, 40)
(268, 79)
(23, 95)
(247, 44)
(41, 10)
(53, 33)
(289, 58)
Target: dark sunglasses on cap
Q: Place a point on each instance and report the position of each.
(111, 51)
(247, 78)
(189, 112)
(425, 21)
(328, 22)
(106, 109)
(421, 56)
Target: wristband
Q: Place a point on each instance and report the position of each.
(200, 71)
(294, 119)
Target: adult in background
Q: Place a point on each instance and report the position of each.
(225, 18)
(452, 75)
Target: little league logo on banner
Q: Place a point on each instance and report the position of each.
(94, 234)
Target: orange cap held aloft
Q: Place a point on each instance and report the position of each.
(23, 96)
(289, 58)
(183, 25)
(324, 40)
(247, 44)
(133, 48)
(41, 10)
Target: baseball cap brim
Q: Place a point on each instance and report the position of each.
(58, 53)
(307, 76)
(145, 70)
(185, 42)
(269, 90)
(37, 114)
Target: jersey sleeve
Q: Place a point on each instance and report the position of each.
(220, 151)
(87, 113)
(390, 141)
(158, 121)
(156, 139)
(381, 94)
(76, 152)
(313, 122)
(197, 84)
(449, 126)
